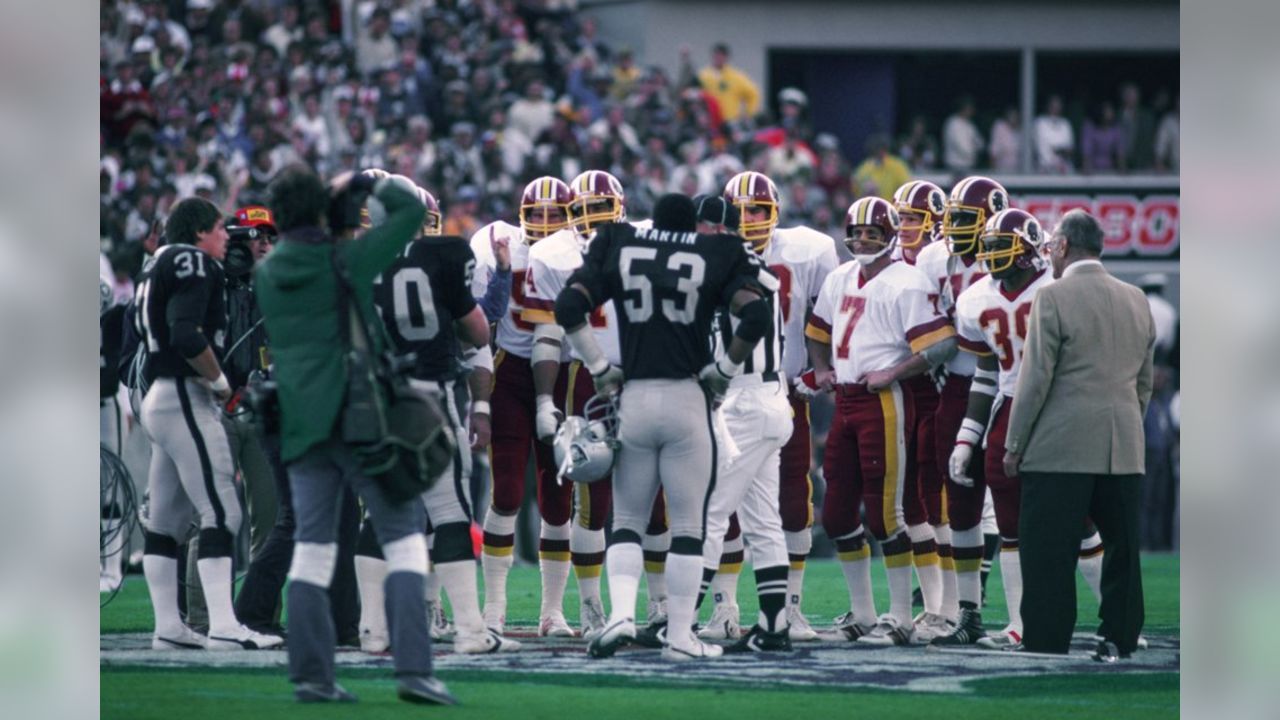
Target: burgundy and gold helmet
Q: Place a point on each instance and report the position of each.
(1012, 238)
(596, 199)
(877, 212)
(434, 222)
(748, 190)
(920, 205)
(544, 207)
(973, 201)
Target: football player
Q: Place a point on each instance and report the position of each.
(666, 282)
(951, 266)
(991, 320)
(920, 205)
(424, 301)
(181, 310)
(544, 210)
(801, 258)
(872, 328)
(110, 432)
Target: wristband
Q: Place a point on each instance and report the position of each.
(221, 385)
(733, 367)
(480, 407)
(970, 432)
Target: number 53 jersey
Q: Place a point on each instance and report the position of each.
(990, 320)
(420, 296)
(875, 324)
(666, 286)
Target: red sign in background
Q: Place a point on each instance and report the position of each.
(1145, 226)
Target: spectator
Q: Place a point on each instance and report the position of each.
(961, 141)
(287, 30)
(1167, 141)
(881, 173)
(1101, 143)
(791, 160)
(1055, 141)
(792, 106)
(1137, 129)
(375, 48)
(626, 76)
(1006, 141)
(461, 218)
(735, 93)
(311, 124)
(918, 148)
(533, 113)
(832, 172)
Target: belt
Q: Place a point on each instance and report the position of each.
(754, 379)
(852, 389)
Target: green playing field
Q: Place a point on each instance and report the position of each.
(837, 680)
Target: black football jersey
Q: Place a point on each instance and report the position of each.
(667, 287)
(110, 339)
(420, 297)
(184, 283)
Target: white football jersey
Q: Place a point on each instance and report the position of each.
(876, 324)
(514, 335)
(801, 258)
(551, 261)
(949, 277)
(990, 320)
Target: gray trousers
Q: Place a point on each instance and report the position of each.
(449, 500)
(667, 439)
(316, 480)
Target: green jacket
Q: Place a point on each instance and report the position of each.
(298, 295)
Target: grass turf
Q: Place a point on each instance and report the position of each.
(825, 597)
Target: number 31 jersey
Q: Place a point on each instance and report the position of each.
(420, 296)
(666, 286)
(184, 285)
(990, 320)
(875, 324)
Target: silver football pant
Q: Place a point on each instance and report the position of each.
(449, 499)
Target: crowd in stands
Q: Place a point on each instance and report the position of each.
(473, 98)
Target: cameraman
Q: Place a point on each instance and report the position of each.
(298, 293)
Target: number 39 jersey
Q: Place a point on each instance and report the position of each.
(419, 297)
(876, 324)
(514, 334)
(801, 258)
(990, 320)
(552, 261)
(666, 286)
(183, 285)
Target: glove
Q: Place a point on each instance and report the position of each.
(715, 376)
(959, 464)
(548, 419)
(608, 381)
(806, 383)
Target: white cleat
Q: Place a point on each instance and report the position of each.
(554, 625)
(847, 628)
(592, 617)
(441, 629)
(1002, 640)
(242, 638)
(184, 639)
(372, 642)
(800, 630)
(887, 633)
(929, 626)
(482, 643)
(723, 624)
(495, 620)
(697, 651)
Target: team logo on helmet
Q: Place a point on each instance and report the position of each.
(1011, 239)
(973, 201)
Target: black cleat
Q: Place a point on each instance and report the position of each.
(654, 635)
(424, 690)
(968, 631)
(758, 640)
(613, 636)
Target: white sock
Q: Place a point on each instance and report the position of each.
(724, 587)
(798, 546)
(856, 567)
(162, 583)
(684, 576)
(371, 575)
(432, 584)
(899, 575)
(946, 563)
(655, 570)
(583, 541)
(113, 564)
(1091, 566)
(553, 562)
(968, 572)
(624, 562)
(927, 567)
(496, 561)
(1011, 576)
(215, 578)
(459, 580)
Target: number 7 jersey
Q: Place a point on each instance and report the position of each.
(875, 324)
(666, 286)
(992, 321)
